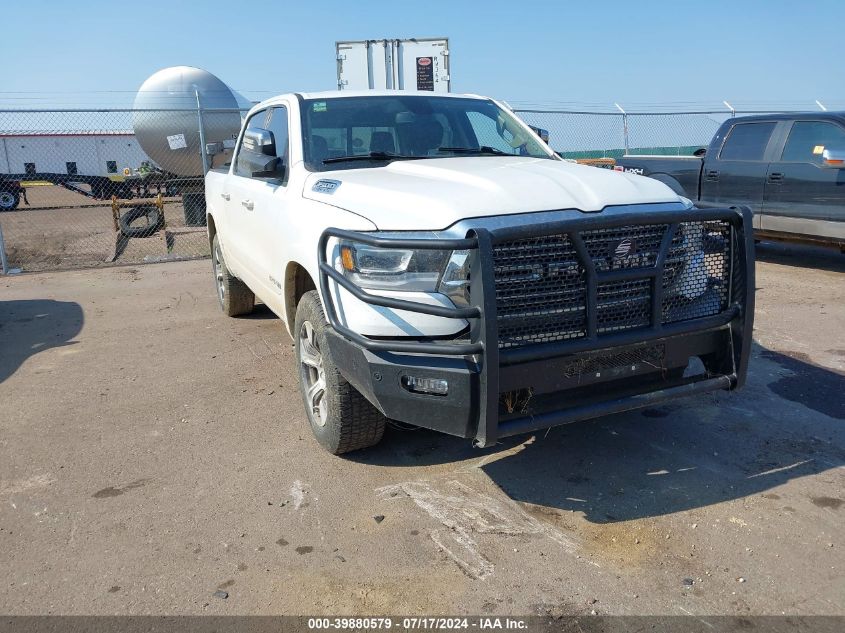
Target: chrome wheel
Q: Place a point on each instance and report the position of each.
(7, 200)
(219, 274)
(313, 374)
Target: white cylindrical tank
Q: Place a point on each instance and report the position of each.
(165, 118)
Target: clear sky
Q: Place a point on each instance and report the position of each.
(641, 54)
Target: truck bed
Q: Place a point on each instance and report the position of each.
(681, 173)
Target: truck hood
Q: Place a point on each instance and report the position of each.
(434, 194)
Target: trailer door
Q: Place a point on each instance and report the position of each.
(363, 65)
(423, 64)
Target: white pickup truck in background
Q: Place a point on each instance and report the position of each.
(437, 264)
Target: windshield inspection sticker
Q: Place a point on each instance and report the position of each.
(177, 141)
(319, 106)
(324, 185)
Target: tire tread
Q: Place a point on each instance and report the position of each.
(238, 299)
(357, 424)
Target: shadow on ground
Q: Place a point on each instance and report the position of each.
(801, 256)
(690, 453)
(260, 313)
(28, 327)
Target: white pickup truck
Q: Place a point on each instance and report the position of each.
(437, 264)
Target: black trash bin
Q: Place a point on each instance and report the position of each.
(194, 207)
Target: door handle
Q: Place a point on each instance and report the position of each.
(249, 204)
(225, 196)
(776, 177)
(712, 174)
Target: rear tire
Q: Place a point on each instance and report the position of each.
(341, 418)
(233, 295)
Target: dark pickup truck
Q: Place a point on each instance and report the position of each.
(789, 168)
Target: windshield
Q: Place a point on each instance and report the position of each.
(355, 132)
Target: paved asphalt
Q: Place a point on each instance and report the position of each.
(154, 452)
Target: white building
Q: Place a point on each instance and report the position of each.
(100, 153)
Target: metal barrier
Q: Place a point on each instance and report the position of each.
(501, 369)
(590, 135)
(60, 171)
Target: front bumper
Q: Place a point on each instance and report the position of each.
(495, 392)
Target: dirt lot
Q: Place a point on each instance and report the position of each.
(62, 229)
(153, 452)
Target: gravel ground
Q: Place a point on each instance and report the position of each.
(153, 452)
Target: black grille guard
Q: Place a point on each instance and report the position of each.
(483, 332)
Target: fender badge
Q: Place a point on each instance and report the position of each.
(324, 185)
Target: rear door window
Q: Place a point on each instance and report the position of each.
(278, 125)
(808, 140)
(747, 141)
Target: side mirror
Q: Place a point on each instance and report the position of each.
(259, 141)
(272, 167)
(701, 152)
(834, 158)
(258, 152)
(543, 134)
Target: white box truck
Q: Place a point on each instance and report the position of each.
(398, 64)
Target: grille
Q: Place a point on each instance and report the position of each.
(698, 287)
(653, 356)
(541, 283)
(645, 239)
(623, 305)
(541, 292)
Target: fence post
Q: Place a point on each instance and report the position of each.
(730, 107)
(202, 135)
(4, 263)
(624, 128)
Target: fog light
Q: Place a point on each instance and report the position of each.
(431, 386)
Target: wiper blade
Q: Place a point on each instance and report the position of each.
(370, 156)
(484, 149)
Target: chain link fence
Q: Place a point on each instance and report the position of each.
(77, 190)
(585, 135)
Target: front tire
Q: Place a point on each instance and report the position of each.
(233, 295)
(341, 418)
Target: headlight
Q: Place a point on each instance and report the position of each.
(454, 282)
(421, 270)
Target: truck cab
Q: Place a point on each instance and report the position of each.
(437, 264)
(778, 166)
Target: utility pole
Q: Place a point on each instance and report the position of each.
(202, 135)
